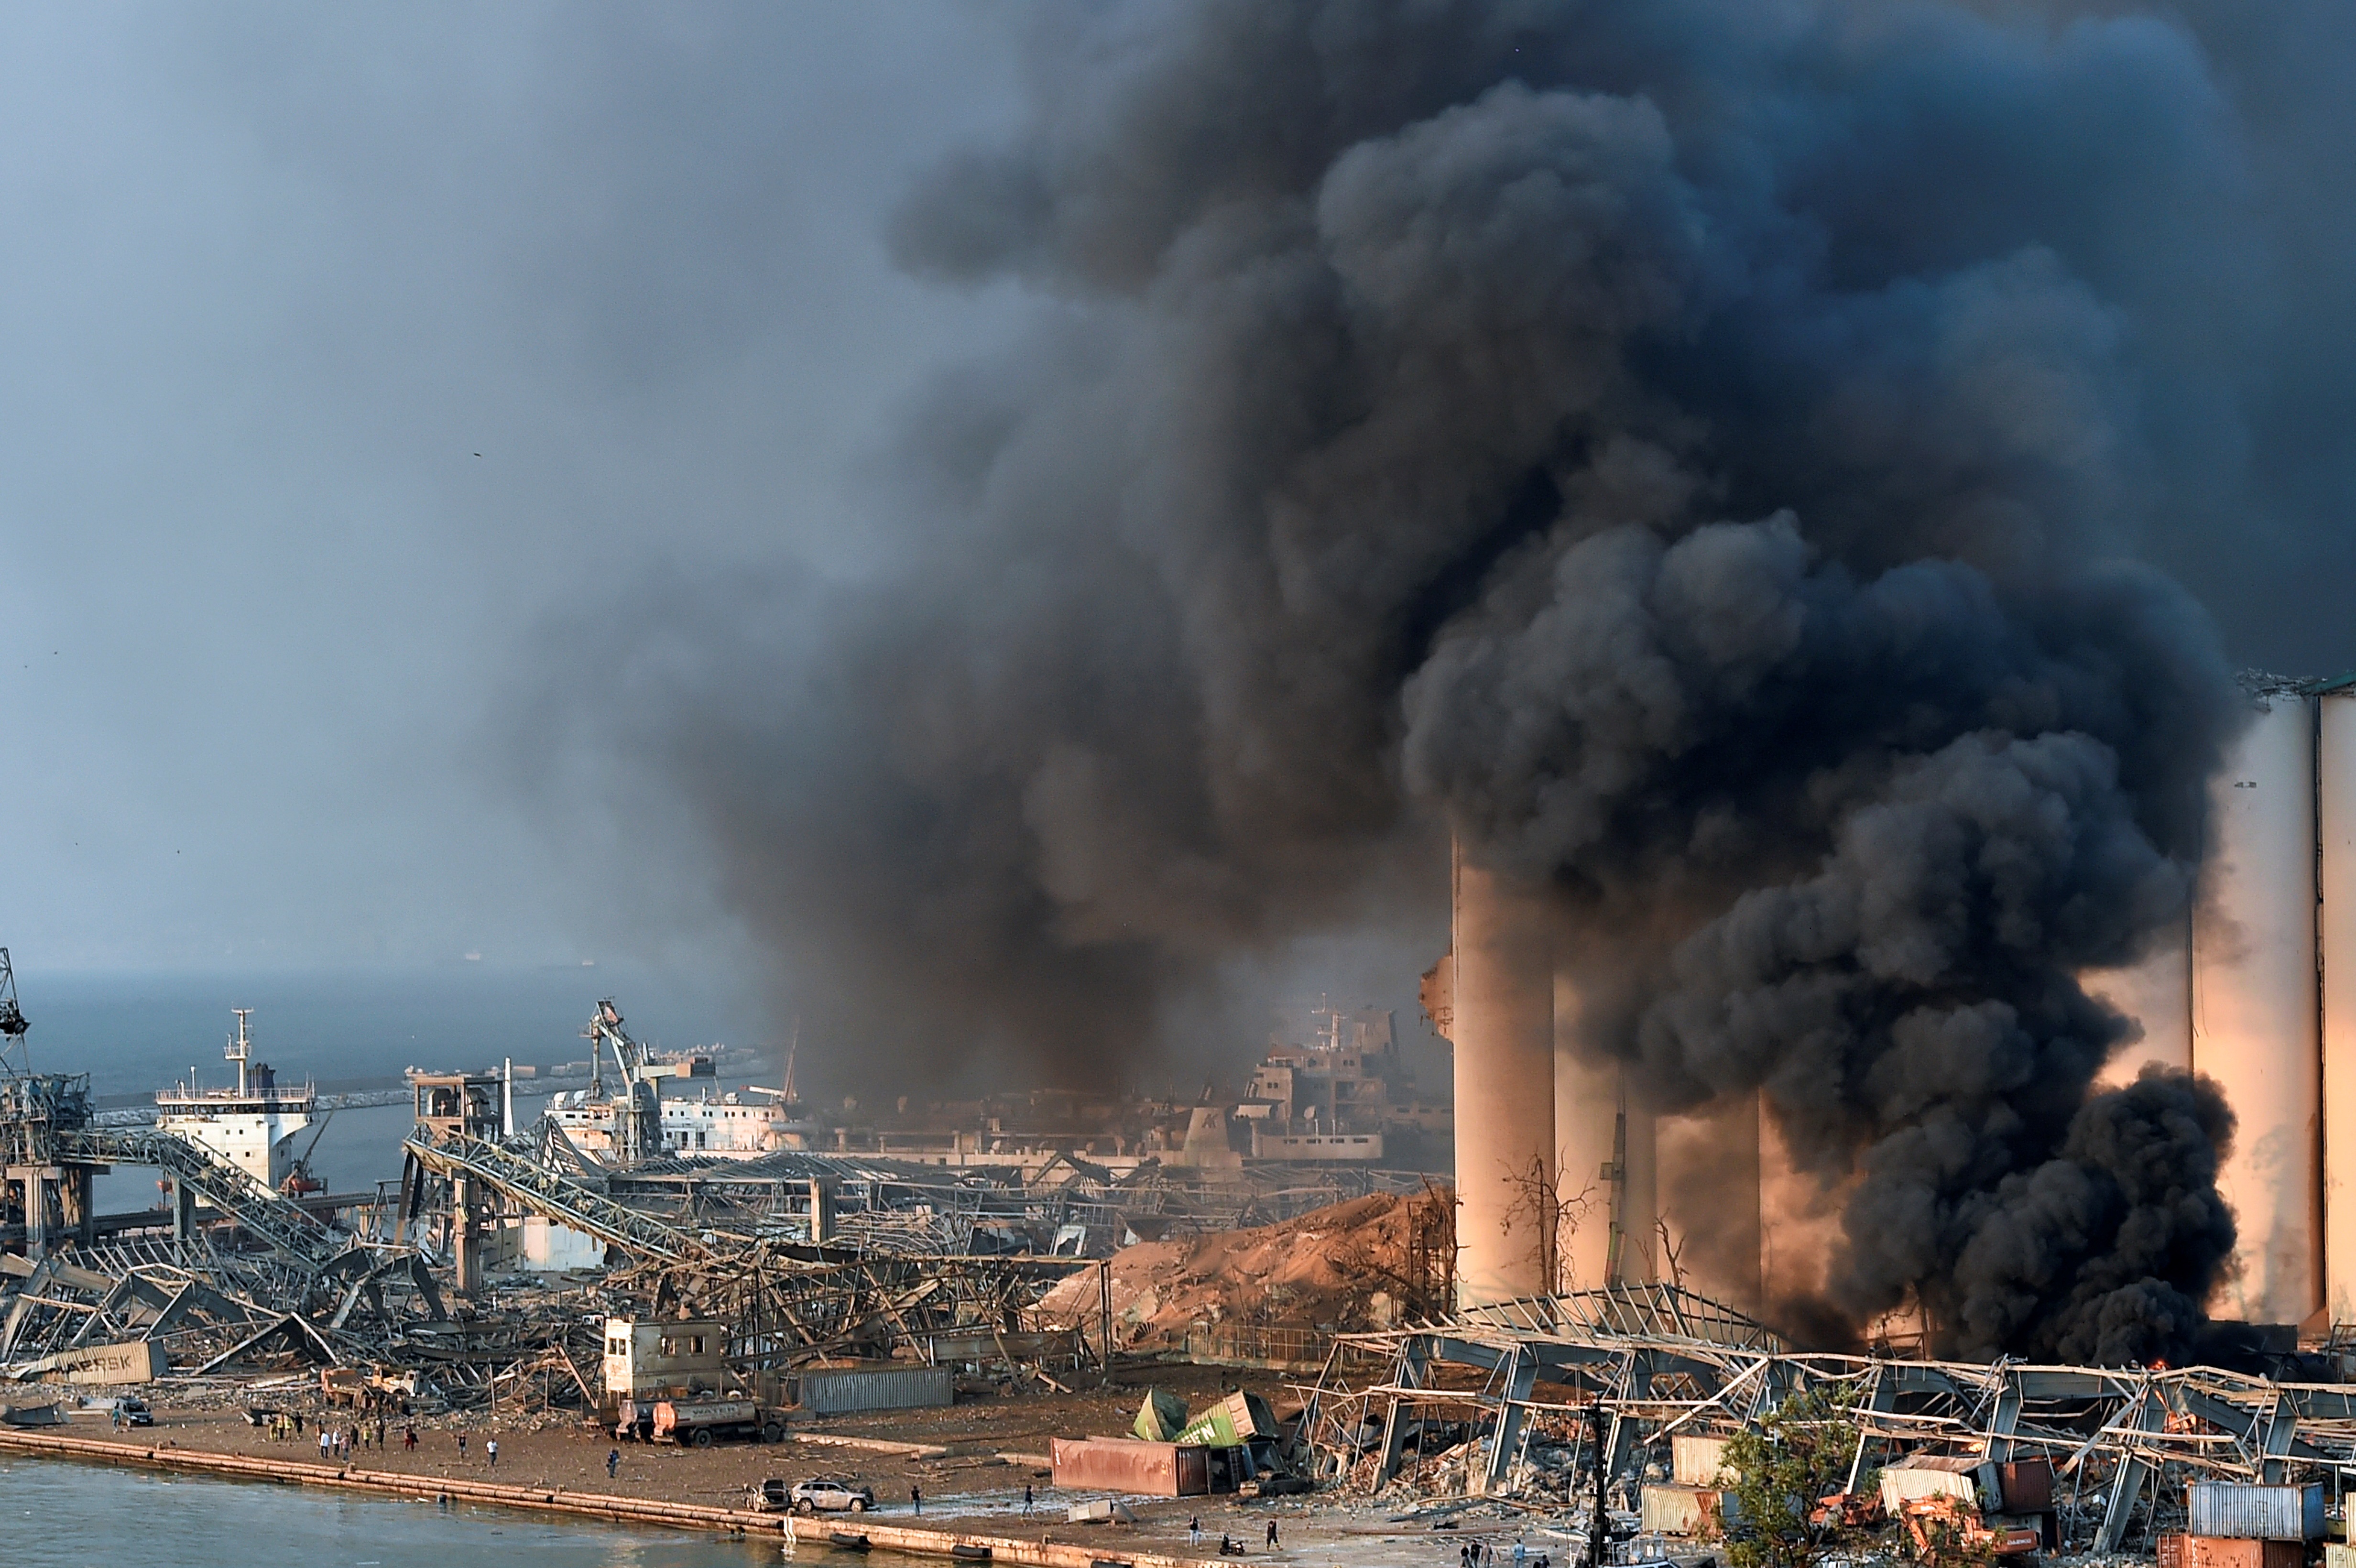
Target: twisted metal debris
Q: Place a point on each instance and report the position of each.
(1496, 1385)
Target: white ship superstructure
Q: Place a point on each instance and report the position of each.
(627, 1117)
(253, 1124)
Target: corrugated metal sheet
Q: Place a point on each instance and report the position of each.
(2219, 1552)
(1696, 1461)
(1903, 1485)
(134, 1361)
(2241, 1511)
(842, 1391)
(1679, 1511)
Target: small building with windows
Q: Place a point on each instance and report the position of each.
(655, 1359)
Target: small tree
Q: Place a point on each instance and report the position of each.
(1551, 1215)
(1800, 1451)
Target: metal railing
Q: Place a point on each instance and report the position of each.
(1243, 1345)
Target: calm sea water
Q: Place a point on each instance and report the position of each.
(69, 1515)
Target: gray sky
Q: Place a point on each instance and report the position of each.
(277, 275)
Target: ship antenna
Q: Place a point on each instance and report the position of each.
(236, 1049)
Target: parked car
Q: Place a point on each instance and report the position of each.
(831, 1496)
(135, 1412)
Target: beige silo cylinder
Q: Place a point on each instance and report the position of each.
(1504, 1035)
(1586, 1127)
(2335, 799)
(2157, 992)
(2255, 1004)
(1603, 1144)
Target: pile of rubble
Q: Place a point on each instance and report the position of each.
(1641, 1387)
(1353, 1265)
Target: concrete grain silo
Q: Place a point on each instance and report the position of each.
(1604, 1147)
(1503, 1028)
(2157, 992)
(2335, 800)
(2255, 1002)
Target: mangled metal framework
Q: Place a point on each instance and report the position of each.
(260, 1276)
(785, 1298)
(1657, 1361)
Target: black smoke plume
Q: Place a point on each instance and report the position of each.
(1694, 452)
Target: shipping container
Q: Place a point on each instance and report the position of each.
(1903, 1483)
(1697, 1461)
(843, 1391)
(2218, 1551)
(1674, 1510)
(1147, 1469)
(2025, 1486)
(2243, 1511)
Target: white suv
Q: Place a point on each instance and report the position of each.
(831, 1496)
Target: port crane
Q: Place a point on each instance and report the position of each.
(15, 1057)
(637, 1099)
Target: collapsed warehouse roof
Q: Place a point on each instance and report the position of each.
(1465, 1406)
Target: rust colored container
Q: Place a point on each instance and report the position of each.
(1124, 1464)
(2228, 1552)
(2028, 1486)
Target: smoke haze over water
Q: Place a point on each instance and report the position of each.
(1699, 454)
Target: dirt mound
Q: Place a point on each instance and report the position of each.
(1365, 1263)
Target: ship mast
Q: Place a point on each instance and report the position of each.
(238, 1049)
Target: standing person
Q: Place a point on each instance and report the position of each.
(1521, 1553)
(298, 1423)
(612, 1461)
(1272, 1535)
(491, 1452)
(323, 1446)
(1195, 1531)
(462, 1445)
(917, 1499)
(1026, 1497)
(380, 1432)
(409, 1441)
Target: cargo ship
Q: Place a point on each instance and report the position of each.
(252, 1126)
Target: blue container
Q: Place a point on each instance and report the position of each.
(2240, 1511)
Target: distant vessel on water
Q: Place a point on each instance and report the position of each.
(627, 1119)
(252, 1126)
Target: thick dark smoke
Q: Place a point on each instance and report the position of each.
(1692, 452)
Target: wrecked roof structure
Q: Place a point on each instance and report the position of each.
(1464, 1407)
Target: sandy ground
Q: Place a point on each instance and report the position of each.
(970, 1488)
